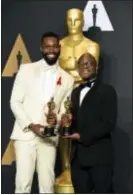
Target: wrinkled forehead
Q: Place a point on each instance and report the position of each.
(50, 40)
(84, 57)
(74, 14)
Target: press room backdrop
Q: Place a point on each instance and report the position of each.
(24, 22)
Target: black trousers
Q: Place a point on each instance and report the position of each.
(92, 179)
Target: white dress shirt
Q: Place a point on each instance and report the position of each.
(83, 92)
(49, 75)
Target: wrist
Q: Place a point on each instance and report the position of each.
(27, 128)
(79, 138)
(30, 126)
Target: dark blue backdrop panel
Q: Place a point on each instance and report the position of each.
(31, 19)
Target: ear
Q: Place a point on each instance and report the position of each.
(41, 48)
(97, 69)
(59, 45)
(83, 22)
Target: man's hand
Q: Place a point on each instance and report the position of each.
(74, 136)
(51, 119)
(36, 129)
(66, 120)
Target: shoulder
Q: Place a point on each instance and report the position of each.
(107, 90)
(92, 43)
(75, 91)
(63, 41)
(28, 66)
(66, 75)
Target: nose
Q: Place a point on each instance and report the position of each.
(85, 66)
(73, 22)
(51, 50)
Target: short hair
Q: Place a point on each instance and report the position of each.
(49, 34)
(92, 58)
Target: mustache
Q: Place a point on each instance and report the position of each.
(56, 55)
(53, 60)
(51, 53)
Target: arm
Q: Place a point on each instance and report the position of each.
(17, 98)
(108, 118)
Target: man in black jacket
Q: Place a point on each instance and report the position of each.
(94, 112)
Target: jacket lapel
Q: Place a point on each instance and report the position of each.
(76, 98)
(90, 92)
(59, 88)
(37, 81)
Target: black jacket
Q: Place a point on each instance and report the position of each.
(94, 120)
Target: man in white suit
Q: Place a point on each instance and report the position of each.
(33, 88)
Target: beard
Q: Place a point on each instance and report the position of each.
(50, 61)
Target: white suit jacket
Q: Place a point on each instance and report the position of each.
(27, 100)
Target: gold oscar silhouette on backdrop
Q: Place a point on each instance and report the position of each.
(19, 49)
(18, 55)
(72, 47)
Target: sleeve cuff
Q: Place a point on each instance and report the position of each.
(26, 128)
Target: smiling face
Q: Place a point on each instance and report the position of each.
(50, 49)
(87, 66)
(74, 21)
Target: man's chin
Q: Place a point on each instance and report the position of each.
(86, 78)
(50, 61)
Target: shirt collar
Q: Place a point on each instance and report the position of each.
(45, 66)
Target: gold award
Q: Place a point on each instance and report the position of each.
(49, 130)
(66, 130)
(76, 44)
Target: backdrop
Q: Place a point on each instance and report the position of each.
(24, 22)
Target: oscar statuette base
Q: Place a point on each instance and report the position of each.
(63, 183)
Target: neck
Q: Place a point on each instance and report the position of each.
(50, 65)
(76, 37)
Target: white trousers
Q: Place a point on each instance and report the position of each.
(34, 155)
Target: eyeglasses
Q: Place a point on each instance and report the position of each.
(86, 64)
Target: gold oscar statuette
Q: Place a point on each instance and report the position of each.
(66, 130)
(63, 182)
(75, 44)
(49, 130)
